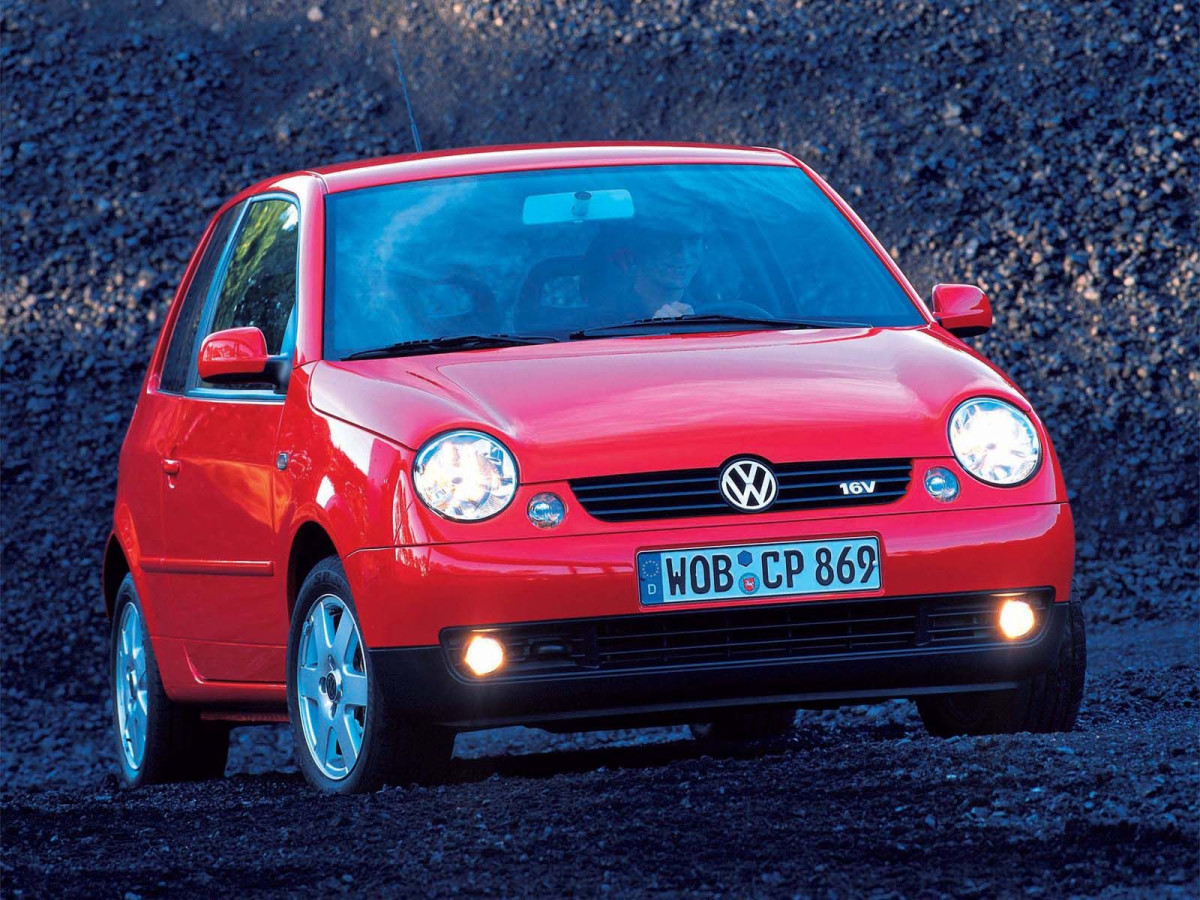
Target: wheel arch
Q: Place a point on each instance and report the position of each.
(310, 544)
(123, 556)
(112, 572)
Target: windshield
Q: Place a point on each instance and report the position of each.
(555, 252)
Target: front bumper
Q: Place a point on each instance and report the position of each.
(407, 597)
(425, 683)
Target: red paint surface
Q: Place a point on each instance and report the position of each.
(235, 351)
(492, 582)
(962, 308)
(207, 520)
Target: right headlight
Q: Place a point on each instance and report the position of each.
(994, 441)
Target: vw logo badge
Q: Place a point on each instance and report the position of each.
(748, 485)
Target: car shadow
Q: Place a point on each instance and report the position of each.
(644, 755)
(652, 753)
(548, 763)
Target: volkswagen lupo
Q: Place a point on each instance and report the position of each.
(571, 436)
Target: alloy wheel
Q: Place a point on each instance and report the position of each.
(331, 686)
(130, 695)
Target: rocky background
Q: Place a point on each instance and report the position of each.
(1046, 151)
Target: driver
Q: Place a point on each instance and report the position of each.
(650, 269)
(664, 265)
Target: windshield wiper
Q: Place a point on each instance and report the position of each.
(450, 343)
(711, 319)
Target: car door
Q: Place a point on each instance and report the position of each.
(225, 588)
(153, 426)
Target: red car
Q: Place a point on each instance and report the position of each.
(571, 436)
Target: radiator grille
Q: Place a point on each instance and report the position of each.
(696, 492)
(741, 634)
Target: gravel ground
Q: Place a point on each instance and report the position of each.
(859, 804)
(1046, 151)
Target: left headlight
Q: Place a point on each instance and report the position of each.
(994, 441)
(465, 475)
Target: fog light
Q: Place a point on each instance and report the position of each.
(941, 484)
(547, 510)
(484, 654)
(1016, 619)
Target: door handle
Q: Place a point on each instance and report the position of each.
(170, 466)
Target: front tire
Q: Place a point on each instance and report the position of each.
(346, 738)
(1045, 703)
(158, 740)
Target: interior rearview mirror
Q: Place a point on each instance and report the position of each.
(962, 309)
(577, 206)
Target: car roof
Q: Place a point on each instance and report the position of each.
(522, 157)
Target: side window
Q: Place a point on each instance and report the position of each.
(183, 336)
(260, 280)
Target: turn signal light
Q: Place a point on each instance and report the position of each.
(1016, 619)
(547, 510)
(941, 484)
(484, 654)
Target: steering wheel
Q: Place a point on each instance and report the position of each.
(484, 308)
(737, 308)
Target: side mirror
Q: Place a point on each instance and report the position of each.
(962, 309)
(239, 356)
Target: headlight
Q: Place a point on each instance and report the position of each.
(994, 441)
(465, 475)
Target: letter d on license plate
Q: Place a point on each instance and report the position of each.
(760, 570)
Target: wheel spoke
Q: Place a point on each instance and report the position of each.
(354, 689)
(327, 744)
(347, 740)
(323, 630)
(343, 639)
(309, 683)
(136, 726)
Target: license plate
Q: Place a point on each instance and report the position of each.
(761, 570)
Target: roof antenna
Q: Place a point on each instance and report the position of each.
(404, 87)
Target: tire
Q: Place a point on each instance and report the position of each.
(1045, 703)
(342, 745)
(158, 740)
(754, 724)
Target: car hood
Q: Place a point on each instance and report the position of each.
(662, 402)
